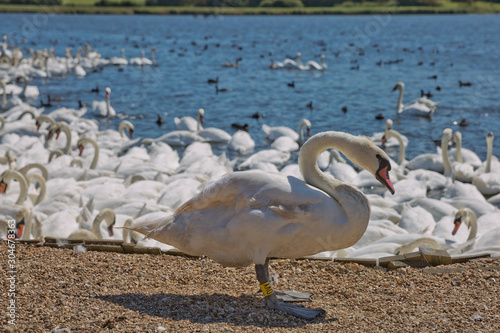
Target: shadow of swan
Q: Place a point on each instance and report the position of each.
(243, 310)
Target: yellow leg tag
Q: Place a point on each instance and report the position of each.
(266, 289)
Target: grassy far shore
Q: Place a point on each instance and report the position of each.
(85, 7)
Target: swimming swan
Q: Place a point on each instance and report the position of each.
(253, 215)
(422, 107)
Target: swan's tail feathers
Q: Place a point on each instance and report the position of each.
(154, 229)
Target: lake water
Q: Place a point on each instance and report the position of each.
(192, 49)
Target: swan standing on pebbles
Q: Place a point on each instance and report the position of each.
(254, 215)
(104, 108)
(421, 107)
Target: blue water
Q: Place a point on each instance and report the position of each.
(192, 49)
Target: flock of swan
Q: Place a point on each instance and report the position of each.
(61, 176)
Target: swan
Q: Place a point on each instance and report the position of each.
(459, 171)
(487, 178)
(180, 138)
(285, 144)
(56, 129)
(463, 155)
(268, 156)
(417, 220)
(119, 61)
(212, 134)
(432, 162)
(293, 64)
(272, 133)
(340, 170)
(142, 61)
(476, 227)
(313, 65)
(107, 215)
(189, 123)
(422, 107)
(402, 149)
(241, 142)
(81, 144)
(390, 142)
(5, 179)
(104, 108)
(255, 215)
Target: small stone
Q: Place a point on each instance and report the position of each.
(160, 329)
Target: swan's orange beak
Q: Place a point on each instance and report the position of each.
(3, 187)
(131, 133)
(382, 174)
(457, 225)
(107, 95)
(110, 229)
(201, 119)
(57, 133)
(308, 132)
(80, 148)
(384, 140)
(20, 229)
(37, 124)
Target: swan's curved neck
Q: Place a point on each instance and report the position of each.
(24, 170)
(66, 130)
(2, 123)
(444, 154)
(85, 140)
(200, 120)
(10, 175)
(352, 200)
(41, 183)
(400, 98)
(108, 104)
(489, 153)
(402, 149)
(105, 215)
(301, 133)
(27, 225)
(4, 95)
(458, 143)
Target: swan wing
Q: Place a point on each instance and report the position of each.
(249, 216)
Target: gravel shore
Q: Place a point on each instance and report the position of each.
(58, 289)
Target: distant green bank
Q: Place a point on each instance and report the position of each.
(249, 7)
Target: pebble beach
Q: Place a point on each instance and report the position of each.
(60, 290)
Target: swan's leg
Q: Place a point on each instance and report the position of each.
(272, 300)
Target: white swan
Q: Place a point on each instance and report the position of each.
(463, 155)
(460, 171)
(432, 162)
(142, 61)
(419, 107)
(107, 215)
(56, 130)
(189, 123)
(487, 177)
(272, 133)
(241, 142)
(313, 65)
(104, 108)
(119, 61)
(257, 215)
(87, 140)
(212, 134)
